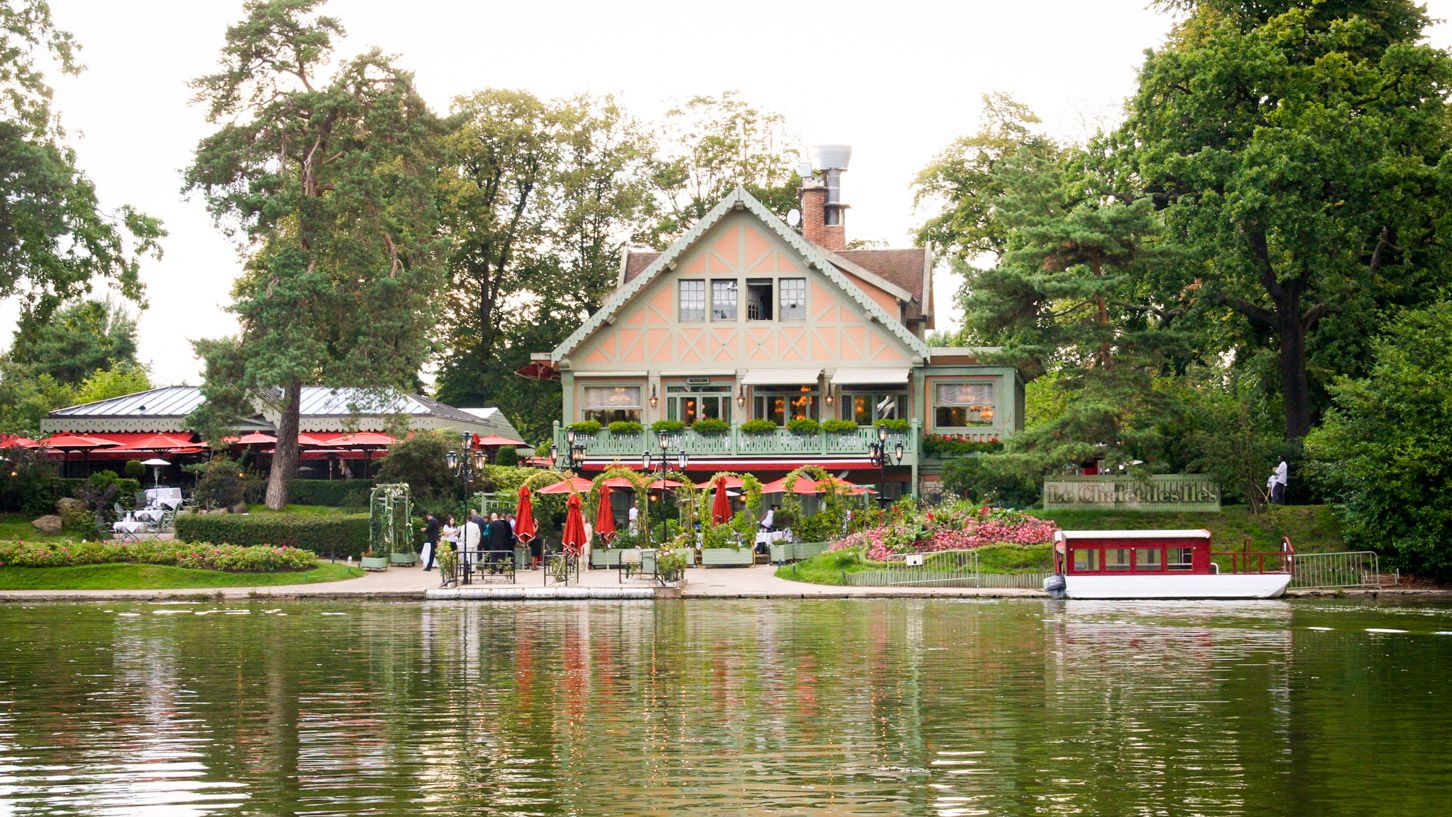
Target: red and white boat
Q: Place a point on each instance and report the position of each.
(1162, 564)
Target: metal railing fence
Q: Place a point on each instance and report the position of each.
(1353, 568)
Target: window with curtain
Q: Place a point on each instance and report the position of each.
(608, 404)
(963, 405)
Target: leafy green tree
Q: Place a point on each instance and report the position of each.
(76, 341)
(103, 384)
(56, 238)
(25, 399)
(329, 182)
(1296, 150)
(419, 462)
(707, 147)
(1384, 451)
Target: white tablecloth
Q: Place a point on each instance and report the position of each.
(128, 526)
(169, 497)
(768, 537)
(148, 515)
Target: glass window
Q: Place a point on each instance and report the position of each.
(607, 404)
(1181, 558)
(782, 404)
(1086, 560)
(723, 300)
(691, 403)
(758, 299)
(865, 408)
(1116, 558)
(1147, 559)
(793, 294)
(693, 300)
(962, 405)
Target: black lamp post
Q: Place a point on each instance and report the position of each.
(466, 463)
(878, 451)
(573, 454)
(647, 462)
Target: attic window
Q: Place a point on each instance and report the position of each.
(758, 299)
(793, 299)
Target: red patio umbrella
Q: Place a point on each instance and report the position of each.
(494, 440)
(619, 482)
(805, 485)
(605, 515)
(74, 442)
(573, 536)
(362, 439)
(665, 485)
(524, 525)
(731, 482)
(573, 485)
(256, 438)
(17, 441)
(721, 505)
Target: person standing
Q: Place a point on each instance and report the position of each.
(431, 540)
(1282, 477)
(501, 542)
(634, 518)
(471, 539)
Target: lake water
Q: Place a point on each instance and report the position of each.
(932, 707)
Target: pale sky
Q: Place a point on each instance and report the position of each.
(898, 81)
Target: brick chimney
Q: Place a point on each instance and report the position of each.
(824, 216)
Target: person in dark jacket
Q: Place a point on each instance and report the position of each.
(500, 542)
(431, 539)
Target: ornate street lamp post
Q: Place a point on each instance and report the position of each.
(878, 451)
(573, 454)
(466, 463)
(646, 464)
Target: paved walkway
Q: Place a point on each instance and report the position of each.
(759, 581)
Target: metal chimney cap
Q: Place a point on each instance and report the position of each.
(834, 157)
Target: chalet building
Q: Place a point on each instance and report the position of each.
(747, 318)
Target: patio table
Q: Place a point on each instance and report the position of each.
(128, 528)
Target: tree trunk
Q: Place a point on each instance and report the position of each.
(1295, 385)
(284, 455)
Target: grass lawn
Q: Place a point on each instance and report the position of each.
(1312, 528)
(16, 526)
(159, 577)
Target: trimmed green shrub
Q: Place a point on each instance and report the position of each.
(134, 469)
(758, 426)
(894, 424)
(332, 493)
(585, 427)
(626, 427)
(710, 425)
(839, 426)
(506, 456)
(667, 426)
(221, 484)
(195, 555)
(334, 535)
(804, 425)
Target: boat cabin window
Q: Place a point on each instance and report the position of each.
(1086, 560)
(1182, 558)
(1147, 559)
(1116, 558)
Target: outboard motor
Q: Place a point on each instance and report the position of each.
(1054, 586)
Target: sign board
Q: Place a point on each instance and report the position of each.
(913, 560)
(1159, 492)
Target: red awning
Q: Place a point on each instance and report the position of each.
(77, 442)
(362, 439)
(539, 370)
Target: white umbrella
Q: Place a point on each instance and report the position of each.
(156, 464)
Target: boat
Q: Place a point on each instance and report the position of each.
(1162, 564)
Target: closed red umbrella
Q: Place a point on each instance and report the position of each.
(605, 516)
(721, 505)
(573, 536)
(524, 525)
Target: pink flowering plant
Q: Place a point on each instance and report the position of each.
(199, 555)
(962, 526)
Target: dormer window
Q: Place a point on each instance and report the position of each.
(758, 299)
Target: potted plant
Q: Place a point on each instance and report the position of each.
(804, 425)
(839, 426)
(623, 427)
(586, 427)
(758, 426)
(710, 425)
(375, 560)
(667, 426)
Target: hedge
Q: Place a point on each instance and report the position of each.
(331, 536)
(333, 493)
(195, 555)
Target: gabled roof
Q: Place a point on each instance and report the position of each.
(737, 199)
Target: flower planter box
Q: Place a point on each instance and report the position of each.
(782, 552)
(403, 558)
(375, 562)
(726, 557)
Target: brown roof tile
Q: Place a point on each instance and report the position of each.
(635, 264)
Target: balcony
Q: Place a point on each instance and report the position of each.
(736, 443)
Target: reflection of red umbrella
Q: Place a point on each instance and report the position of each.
(573, 536)
(573, 485)
(605, 517)
(524, 524)
(721, 505)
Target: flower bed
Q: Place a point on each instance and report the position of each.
(955, 527)
(196, 555)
